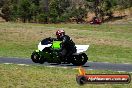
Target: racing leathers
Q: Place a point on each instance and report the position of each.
(68, 46)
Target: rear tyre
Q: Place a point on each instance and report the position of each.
(80, 59)
(35, 57)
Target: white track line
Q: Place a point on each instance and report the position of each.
(8, 63)
(127, 63)
(121, 71)
(90, 69)
(59, 67)
(111, 63)
(50, 66)
(105, 62)
(23, 64)
(75, 68)
(64, 67)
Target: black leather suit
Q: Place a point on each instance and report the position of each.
(68, 46)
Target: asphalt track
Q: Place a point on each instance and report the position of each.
(89, 65)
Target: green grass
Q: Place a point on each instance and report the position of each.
(116, 54)
(14, 76)
(111, 43)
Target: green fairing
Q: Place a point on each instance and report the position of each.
(56, 45)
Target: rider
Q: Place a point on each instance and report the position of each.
(68, 46)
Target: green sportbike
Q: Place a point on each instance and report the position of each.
(48, 51)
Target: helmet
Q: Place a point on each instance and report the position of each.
(60, 33)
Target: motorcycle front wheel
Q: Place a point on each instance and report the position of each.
(35, 57)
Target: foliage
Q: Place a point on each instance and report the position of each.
(24, 10)
(42, 18)
(55, 11)
(6, 11)
(1, 3)
(79, 14)
(58, 9)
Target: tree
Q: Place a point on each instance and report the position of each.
(102, 8)
(124, 3)
(53, 11)
(36, 2)
(34, 11)
(43, 15)
(79, 14)
(1, 3)
(24, 10)
(6, 11)
(59, 10)
(14, 12)
(42, 18)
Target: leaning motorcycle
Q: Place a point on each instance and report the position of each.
(49, 51)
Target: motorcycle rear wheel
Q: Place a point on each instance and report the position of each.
(79, 60)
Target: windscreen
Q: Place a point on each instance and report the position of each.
(46, 41)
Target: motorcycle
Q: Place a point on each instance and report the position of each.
(49, 51)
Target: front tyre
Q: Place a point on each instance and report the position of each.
(35, 57)
(80, 59)
(42, 60)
